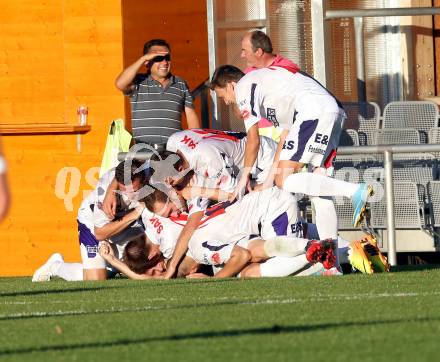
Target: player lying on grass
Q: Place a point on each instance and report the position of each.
(237, 257)
(142, 261)
(94, 226)
(227, 228)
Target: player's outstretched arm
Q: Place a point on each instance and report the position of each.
(107, 254)
(250, 156)
(191, 192)
(182, 243)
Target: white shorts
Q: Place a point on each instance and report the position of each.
(92, 260)
(215, 252)
(271, 212)
(312, 141)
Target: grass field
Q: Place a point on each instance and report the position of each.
(384, 317)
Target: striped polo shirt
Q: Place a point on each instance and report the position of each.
(156, 112)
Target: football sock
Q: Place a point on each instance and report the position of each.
(68, 271)
(285, 246)
(326, 218)
(282, 267)
(343, 244)
(314, 184)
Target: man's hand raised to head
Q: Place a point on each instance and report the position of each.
(151, 55)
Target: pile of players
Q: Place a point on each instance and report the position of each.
(222, 203)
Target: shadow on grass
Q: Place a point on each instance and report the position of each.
(121, 310)
(414, 267)
(276, 329)
(54, 291)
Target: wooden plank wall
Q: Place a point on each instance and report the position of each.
(417, 52)
(56, 55)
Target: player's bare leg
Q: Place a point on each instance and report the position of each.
(95, 274)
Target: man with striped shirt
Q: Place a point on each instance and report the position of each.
(157, 97)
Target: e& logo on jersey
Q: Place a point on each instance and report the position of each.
(297, 229)
(322, 139)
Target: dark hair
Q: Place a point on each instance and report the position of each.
(261, 40)
(151, 43)
(135, 255)
(153, 197)
(131, 166)
(225, 74)
(163, 155)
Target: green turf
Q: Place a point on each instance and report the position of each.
(384, 317)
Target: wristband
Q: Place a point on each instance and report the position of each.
(2, 165)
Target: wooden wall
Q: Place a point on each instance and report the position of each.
(55, 56)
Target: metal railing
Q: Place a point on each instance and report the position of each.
(388, 151)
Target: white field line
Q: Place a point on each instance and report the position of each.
(320, 298)
(45, 302)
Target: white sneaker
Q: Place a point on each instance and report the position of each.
(43, 273)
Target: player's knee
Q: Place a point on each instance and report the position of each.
(251, 271)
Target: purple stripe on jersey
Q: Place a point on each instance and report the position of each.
(280, 224)
(214, 247)
(87, 239)
(253, 86)
(306, 130)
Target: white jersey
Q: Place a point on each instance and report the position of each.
(267, 213)
(217, 157)
(85, 212)
(281, 96)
